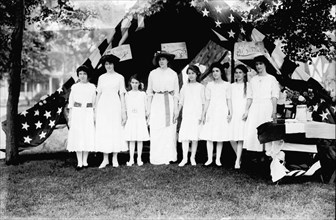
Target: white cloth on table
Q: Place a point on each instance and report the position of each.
(237, 124)
(163, 86)
(192, 99)
(109, 131)
(216, 126)
(261, 90)
(294, 127)
(82, 129)
(136, 126)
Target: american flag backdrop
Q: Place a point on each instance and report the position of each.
(227, 27)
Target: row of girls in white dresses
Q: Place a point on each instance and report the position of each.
(108, 135)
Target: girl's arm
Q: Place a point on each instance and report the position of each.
(181, 101)
(122, 92)
(229, 104)
(206, 106)
(70, 105)
(123, 109)
(247, 108)
(274, 112)
(176, 99)
(207, 95)
(150, 94)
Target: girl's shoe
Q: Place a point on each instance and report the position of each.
(140, 163)
(183, 162)
(237, 166)
(218, 163)
(129, 163)
(193, 162)
(208, 163)
(103, 165)
(115, 165)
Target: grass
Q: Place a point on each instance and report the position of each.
(47, 186)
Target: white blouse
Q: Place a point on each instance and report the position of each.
(160, 80)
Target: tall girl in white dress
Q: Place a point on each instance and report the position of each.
(136, 126)
(261, 106)
(217, 114)
(111, 112)
(237, 124)
(163, 92)
(192, 100)
(81, 115)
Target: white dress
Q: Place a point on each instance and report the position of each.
(136, 126)
(109, 130)
(261, 90)
(192, 99)
(216, 126)
(81, 131)
(237, 124)
(163, 86)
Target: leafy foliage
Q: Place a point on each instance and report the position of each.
(303, 26)
(35, 40)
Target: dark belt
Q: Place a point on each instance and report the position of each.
(166, 101)
(88, 105)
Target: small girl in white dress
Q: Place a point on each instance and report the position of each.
(192, 100)
(217, 114)
(237, 124)
(136, 127)
(81, 115)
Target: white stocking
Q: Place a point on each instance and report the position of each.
(79, 158)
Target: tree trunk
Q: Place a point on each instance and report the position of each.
(14, 84)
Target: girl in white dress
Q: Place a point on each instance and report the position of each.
(237, 124)
(110, 112)
(261, 106)
(192, 100)
(81, 115)
(163, 92)
(136, 126)
(217, 114)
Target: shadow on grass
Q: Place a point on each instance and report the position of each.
(48, 186)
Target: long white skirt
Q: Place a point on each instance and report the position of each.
(259, 113)
(162, 135)
(109, 131)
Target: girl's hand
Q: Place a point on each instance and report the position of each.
(123, 118)
(175, 116)
(204, 119)
(274, 117)
(245, 115)
(229, 118)
(201, 120)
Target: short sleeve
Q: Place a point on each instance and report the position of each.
(122, 85)
(275, 89)
(208, 91)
